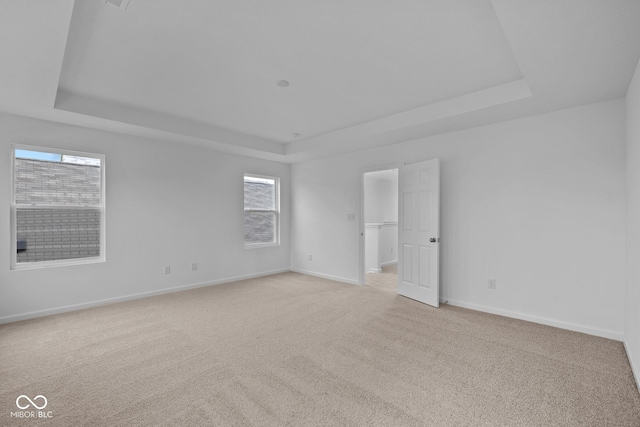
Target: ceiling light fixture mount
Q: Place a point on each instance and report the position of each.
(283, 83)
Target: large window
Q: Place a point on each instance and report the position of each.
(261, 211)
(57, 208)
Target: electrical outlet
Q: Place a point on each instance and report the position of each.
(492, 283)
(167, 269)
(310, 257)
(194, 266)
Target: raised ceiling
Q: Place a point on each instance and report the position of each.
(347, 62)
(362, 73)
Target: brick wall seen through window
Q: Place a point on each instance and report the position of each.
(261, 214)
(58, 206)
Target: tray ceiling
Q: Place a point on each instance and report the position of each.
(361, 73)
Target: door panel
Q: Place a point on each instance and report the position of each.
(407, 261)
(425, 211)
(425, 268)
(419, 209)
(408, 211)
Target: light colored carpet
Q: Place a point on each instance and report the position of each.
(294, 350)
(386, 281)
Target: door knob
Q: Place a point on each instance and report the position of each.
(432, 240)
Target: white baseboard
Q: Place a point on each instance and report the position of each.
(375, 270)
(563, 325)
(636, 375)
(384, 264)
(81, 306)
(325, 276)
(543, 321)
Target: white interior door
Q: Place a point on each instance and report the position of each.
(418, 231)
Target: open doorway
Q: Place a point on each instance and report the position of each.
(380, 212)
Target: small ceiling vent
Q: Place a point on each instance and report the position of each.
(120, 4)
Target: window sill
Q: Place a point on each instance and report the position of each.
(260, 245)
(58, 263)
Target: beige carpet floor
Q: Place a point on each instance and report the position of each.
(294, 350)
(387, 280)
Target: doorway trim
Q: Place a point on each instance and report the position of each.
(361, 227)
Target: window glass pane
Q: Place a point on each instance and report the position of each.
(54, 234)
(49, 183)
(259, 227)
(90, 161)
(37, 155)
(259, 193)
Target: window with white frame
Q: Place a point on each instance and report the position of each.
(57, 208)
(261, 210)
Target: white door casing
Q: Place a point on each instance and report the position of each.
(418, 231)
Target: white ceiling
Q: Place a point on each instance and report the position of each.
(362, 73)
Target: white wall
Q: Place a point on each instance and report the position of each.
(167, 204)
(381, 196)
(632, 320)
(381, 206)
(381, 246)
(389, 244)
(536, 203)
(372, 248)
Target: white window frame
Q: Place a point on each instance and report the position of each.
(14, 264)
(276, 241)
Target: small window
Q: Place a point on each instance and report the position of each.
(57, 208)
(261, 211)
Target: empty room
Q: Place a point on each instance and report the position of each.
(320, 213)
